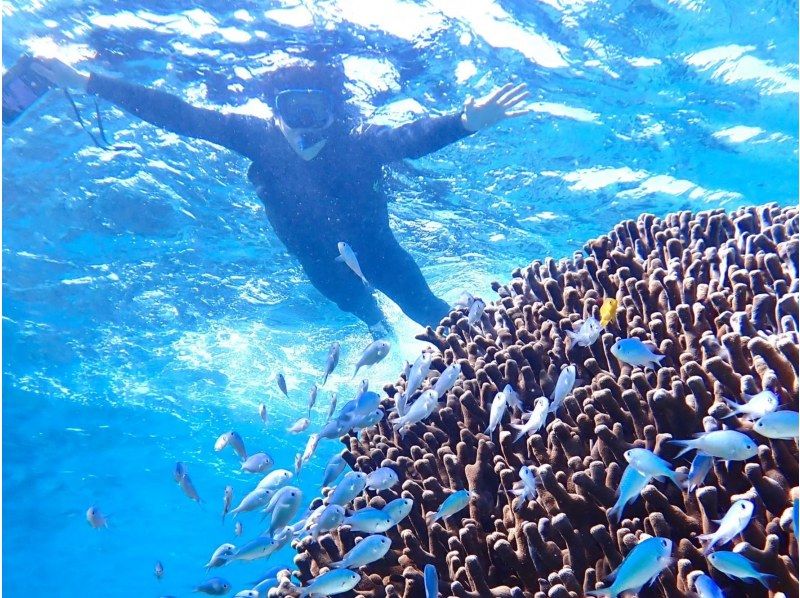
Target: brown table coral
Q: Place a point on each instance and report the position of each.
(716, 293)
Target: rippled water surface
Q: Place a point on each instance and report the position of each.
(148, 305)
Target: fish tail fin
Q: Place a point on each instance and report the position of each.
(601, 592)
(614, 513)
(735, 407)
(336, 565)
(571, 334)
(489, 430)
(686, 444)
(430, 518)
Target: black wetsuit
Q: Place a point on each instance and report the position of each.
(312, 205)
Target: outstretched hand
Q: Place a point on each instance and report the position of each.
(494, 107)
(60, 73)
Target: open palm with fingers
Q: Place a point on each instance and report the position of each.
(502, 103)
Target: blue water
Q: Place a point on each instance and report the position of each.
(148, 306)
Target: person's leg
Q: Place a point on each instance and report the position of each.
(342, 287)
(392, 270)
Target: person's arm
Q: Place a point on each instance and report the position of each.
(430, 134)
(242, 134)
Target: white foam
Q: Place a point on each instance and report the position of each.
(738, 134)
(734, 64)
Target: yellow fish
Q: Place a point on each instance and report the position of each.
(607, 311)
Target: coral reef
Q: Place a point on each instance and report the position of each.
(716, 293)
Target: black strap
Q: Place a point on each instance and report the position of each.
(106, 144)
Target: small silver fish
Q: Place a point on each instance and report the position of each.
(282, 384)
(258, 548)
(298, 464)
(398, 509)
(723, 444)
(216, 586)
(253, 500)
(311, 447)
(419, 410)
(536, 419)
(730, 526)
(526, 487)
(587, 334)
(274, 479)
(312, 399)
(179, 471)
(188, 488)
(447, 380)
(756, 406)
(330, 518)
(299, 426)
(262, 412)
(158, 570)
(332, 408)
(220, 556)
(333, 469)
(369, 520)
(496, 412)
(282, 507)
(372, 354)
(382, 478)
(227, 497)
(564, 384)
(336, 581)
(258, 463)
(331, 362)
(368, 550)
(95, 518)
(222, 441)
(352, 484)
(238, 529)
(416, 375)
(475, 312)
(349, 258)
(237, 444)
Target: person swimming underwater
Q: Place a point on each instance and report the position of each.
(317, 174)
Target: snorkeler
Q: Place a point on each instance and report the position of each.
(317, 175)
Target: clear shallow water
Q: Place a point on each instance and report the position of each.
(148, 306)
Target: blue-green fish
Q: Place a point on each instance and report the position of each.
(756, 406)
(707, 587)
(640, 568)
(372, 354)
(333, 469)
(448, 379)
(368, 550)
(778, 425)
(649, 464)
(333, 582)
(701, 465)
(258, 548)
(737, 566)
(630, 488)
(220, 556)
(332, 361)
(723, 444)
(730, 526)
(369, 520)
(352, 484)
(431, 582)
(216, 586)
(283, 505)
(451, 505)
(329, 518)
(634, 352)
(398, 509)
(274, 479)
(382, 478)
(282, 384)
(796, 517)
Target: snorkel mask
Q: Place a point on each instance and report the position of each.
(308, 112)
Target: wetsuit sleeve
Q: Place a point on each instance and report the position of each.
(414, 139)
(240, 133)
